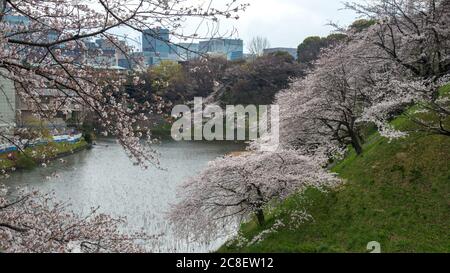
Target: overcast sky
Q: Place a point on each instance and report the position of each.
(285, 23)
(288, 22)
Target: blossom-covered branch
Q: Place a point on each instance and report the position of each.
(33, 222)
(232, 189)
(50, 50)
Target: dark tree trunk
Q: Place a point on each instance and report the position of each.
(356, 142)
(2, 8)
(260, 217)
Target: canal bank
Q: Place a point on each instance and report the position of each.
(31, 157)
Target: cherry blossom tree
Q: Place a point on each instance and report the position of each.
(371, 76)
(33, 222)
(413, 33)
(232, 189)
(50, 49)
(412, 40)
(321, 112)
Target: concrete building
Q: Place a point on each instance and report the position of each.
(292, 51)
(109, 54)
(102, 53)
(156, 47)
(71, 114)
(188, 51)
(7, 103)
(231, 49)
(14, 112)
(156, 40)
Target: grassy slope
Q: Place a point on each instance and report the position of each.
(396, 193)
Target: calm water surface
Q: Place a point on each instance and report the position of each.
(105, 177)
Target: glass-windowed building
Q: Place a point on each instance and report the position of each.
(187, 51)
(231, 49)
(156, 40)
(156, 47)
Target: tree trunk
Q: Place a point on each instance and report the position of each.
(260, 217)
(356, 142)
(2, 8)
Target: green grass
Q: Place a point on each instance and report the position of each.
(445, 90)
(162, 130)
(396, 193)
(32, 155)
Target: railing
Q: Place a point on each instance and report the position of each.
(7, 148)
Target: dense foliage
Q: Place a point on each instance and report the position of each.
(254, 81)
(258, 81)
(309, 50)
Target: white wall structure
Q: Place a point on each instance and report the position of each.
(7, 103)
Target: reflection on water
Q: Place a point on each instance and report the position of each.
(105, 177)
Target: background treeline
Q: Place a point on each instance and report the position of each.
(252, 81)
(241, 82)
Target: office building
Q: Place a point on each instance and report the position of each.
(188, 51)
(156, 40)
(231, 49)
(156, 47)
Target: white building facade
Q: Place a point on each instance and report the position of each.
(7, 102)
